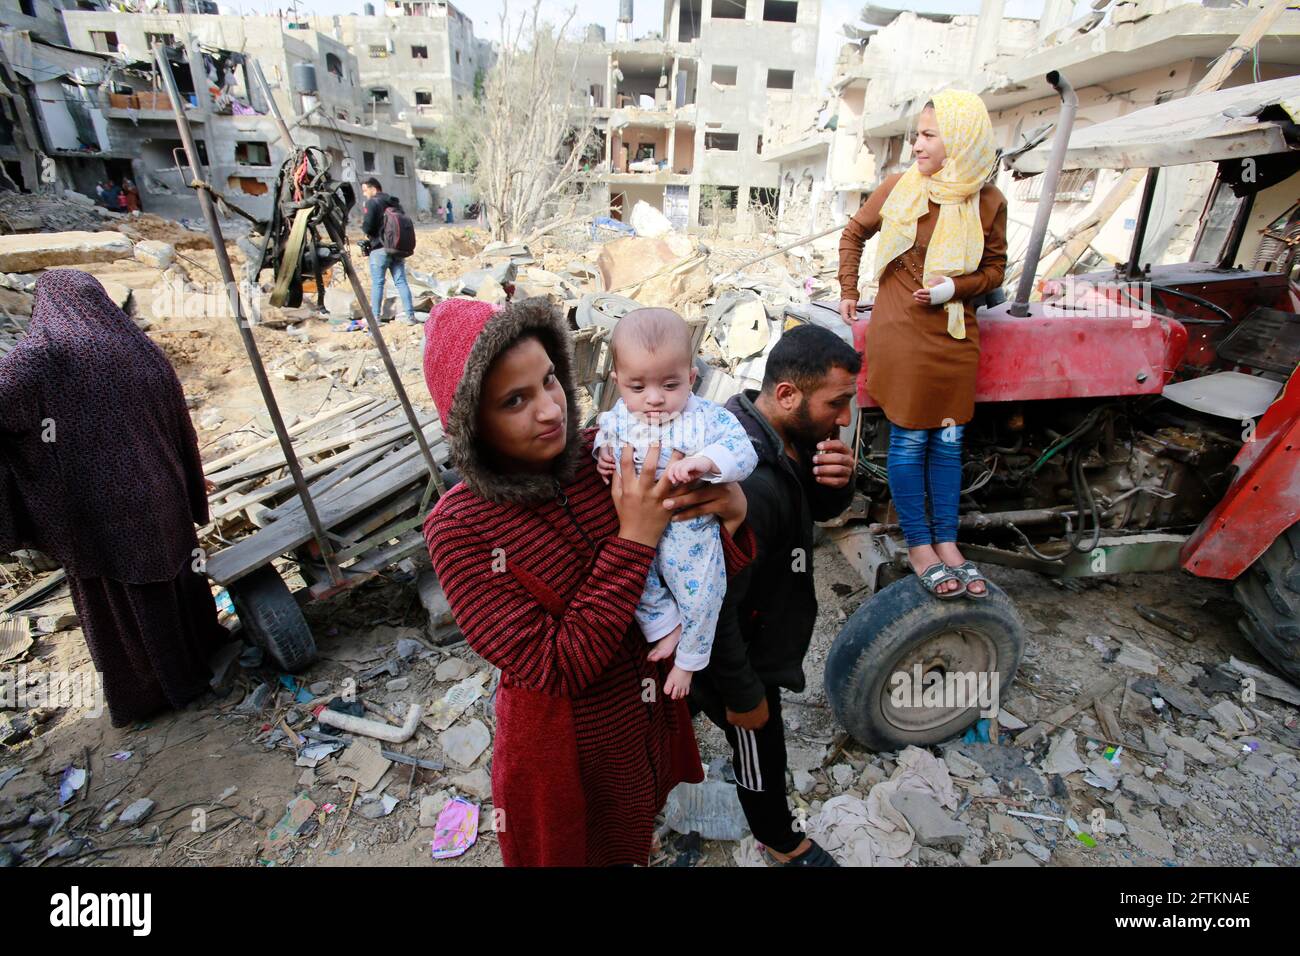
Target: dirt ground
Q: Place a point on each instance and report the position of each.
(221, 773)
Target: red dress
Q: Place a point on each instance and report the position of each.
(587, 744)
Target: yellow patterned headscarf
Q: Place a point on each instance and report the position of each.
(958, 241)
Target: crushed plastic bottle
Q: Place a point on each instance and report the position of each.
(711, 809)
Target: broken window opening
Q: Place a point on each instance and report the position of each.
(764, 200)
(419, 53)
(103, 41)
(724, 75)
(248, 185)
(334, 66)
(153, 39)
(726, 142)
(781, 11)
(780, 79)
(423, 98)
(399, 166)
(688, 24)
(368, 162)
(379, 94)
(253, 153)
(728, 9)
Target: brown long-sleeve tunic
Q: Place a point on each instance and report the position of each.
(920, 375)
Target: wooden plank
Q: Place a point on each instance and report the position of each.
(388, 427)
(407, 544)
(1031, 736)
(239, 454)
(352, 479)
(250, 553)
(1106, 717)
(362, 418)
(312, 470)
(363, 458)
(404, 454)
(37, 590)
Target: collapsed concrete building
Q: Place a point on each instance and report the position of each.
(98, 109)
(1120, 58)
(683, 113)
(825, 166)
(418, 62)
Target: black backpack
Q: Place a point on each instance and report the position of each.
(398, 232)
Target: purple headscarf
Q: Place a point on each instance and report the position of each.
(99, 464)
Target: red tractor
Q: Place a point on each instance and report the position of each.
(1137, 418)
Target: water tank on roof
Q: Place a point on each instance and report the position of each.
(369, 9)
(625, 11)
(595, 33)
(303, 78)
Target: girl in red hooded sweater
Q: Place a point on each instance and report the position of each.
(543, 565)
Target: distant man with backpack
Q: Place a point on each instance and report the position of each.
(390, 238)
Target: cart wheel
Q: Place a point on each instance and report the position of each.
(1269, 593)
(902, 632)
(273, 618)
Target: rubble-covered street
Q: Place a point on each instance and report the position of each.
(981, 322)
(1120, 742)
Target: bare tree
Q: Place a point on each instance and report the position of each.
(532, 128)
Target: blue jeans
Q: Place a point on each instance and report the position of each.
(380, 263)
(925, 464)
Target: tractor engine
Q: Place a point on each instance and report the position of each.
(1067, 471)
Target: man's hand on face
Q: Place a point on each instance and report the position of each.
(750, 719)
(833, 463)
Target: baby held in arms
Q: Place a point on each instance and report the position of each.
(654, 371)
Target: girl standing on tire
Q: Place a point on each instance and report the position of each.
(942, 243)
(543, 566)
(100, 469)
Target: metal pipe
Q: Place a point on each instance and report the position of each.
(1056, 159)
(374, 728)
(237, 307)
(980, 521)
(372, 323)
(1134, 269)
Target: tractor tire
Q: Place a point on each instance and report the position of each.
(1269, 593)
(273, 619)
(902, 626)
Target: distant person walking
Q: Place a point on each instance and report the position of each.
(450, 213)
(112, 196)
(100, 469)
(130, 196)
(383, 215)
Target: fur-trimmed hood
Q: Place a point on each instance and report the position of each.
(462, 339)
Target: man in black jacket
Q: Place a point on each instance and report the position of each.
(803, 476)
(381, 262)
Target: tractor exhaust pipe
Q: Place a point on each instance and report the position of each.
(1060, 142)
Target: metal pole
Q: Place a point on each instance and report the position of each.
(1140, 228)
(363, 301)
(245, 331)
(1055, 160)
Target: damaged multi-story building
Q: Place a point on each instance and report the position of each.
(418, 61)
(825, 165)
(683, 112)
(98, 109)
